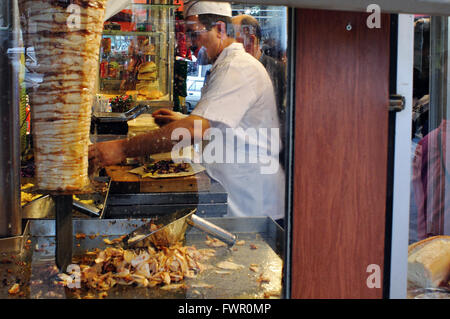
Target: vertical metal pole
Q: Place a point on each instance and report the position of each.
(64, 232)
(10, 214)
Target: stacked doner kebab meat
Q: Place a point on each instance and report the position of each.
(66, 38)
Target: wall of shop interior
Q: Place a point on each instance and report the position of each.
(341, 145)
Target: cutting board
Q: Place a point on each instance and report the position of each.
(121, 177)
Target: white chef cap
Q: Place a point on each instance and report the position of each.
(196, 7)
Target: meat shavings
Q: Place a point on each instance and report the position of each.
(28, 197)
(174, 287)
(114, 241)
(202, 285)
(228, 265)
(166, 167)
(254, 267)
(269, 294)
(14, 289)
(142, 267)
(214, 242)
(262, 279)
(80, 236)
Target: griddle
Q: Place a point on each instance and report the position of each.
(39, 272)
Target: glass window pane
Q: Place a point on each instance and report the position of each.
(106, 105)
(430, 192)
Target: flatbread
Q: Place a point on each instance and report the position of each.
(192, 170)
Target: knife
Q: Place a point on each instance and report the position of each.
(146, 230)
(184, 217)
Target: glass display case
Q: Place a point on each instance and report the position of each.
(137, 54)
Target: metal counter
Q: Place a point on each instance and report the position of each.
(211, 203)
(35, 271)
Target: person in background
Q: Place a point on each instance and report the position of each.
(431, 182)
(238, 96)
(248, 32)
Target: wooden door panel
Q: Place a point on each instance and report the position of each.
(341, 143)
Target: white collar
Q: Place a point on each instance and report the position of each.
(235, 46)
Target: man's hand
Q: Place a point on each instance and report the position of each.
(166, 116)
(106, 153)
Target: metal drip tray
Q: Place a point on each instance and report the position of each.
(34, 268)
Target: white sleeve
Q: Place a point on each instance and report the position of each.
(227, 96)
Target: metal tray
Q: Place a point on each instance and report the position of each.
(35, 270)
(211, 203)
(113, 117)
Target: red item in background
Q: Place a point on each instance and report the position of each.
(182, 47)
(104, 69)
(180, 3)
(28, 118)
(106, 45)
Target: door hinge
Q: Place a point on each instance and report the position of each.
(396, 103)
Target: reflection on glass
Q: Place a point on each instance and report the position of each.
(429, 250)
(136, 54)
(242, 192)
(430, 173)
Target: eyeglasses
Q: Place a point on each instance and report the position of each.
(193, 34)
(194, 29)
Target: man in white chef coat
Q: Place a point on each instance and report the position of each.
(237, 113)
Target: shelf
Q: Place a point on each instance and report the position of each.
(159, 19)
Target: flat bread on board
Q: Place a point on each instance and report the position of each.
(192, 169)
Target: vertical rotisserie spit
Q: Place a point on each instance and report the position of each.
(65, 35)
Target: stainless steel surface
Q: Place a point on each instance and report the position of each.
(37, 274)
(87, 209)
(96, 138)
(110, 117)
(216, 194)
(210, 203)
(14, 244)
(212, 229)
(10, 218)
(42, 207)
(163, 221)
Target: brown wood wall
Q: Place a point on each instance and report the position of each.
(341, 136)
